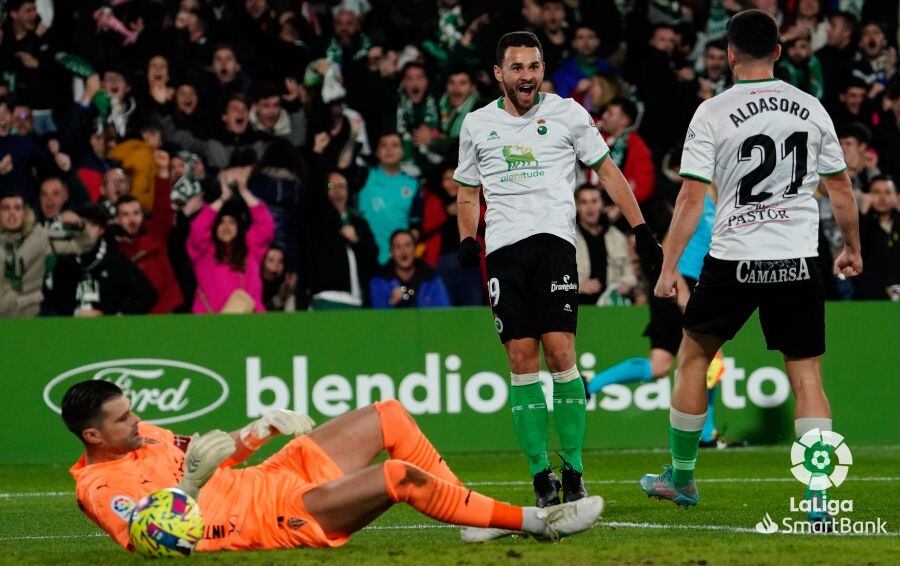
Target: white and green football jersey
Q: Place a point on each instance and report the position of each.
(527, 166)
(765, 144)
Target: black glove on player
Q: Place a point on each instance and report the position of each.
(469, 254)
(649, 252)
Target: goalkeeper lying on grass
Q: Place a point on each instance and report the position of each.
(316, 491)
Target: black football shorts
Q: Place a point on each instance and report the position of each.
(789, 294)
(533, 287)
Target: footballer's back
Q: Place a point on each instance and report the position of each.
(765, 144)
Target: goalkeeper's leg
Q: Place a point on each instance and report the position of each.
(355, 439)
(346, 505)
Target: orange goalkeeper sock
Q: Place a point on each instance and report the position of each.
(445, 501)
(403, 440)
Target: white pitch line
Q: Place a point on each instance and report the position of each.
(700, 482)
(13, 495)
(406, 527)
(727, 528)
(51, 537)
(36, 494)
(612, 524)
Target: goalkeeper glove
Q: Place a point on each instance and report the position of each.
(469, 253)
(203, 456)
(280, 421)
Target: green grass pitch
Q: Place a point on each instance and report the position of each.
(40, 524)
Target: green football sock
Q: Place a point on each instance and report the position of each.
(568, 411)
(529, 409)
(683, 445)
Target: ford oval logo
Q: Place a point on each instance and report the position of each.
(161, 391)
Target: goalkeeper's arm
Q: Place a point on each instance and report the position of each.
(250, 438)
(203, 456)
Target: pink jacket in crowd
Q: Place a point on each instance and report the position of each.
(215, 281)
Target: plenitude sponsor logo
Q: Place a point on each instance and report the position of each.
(161, 391)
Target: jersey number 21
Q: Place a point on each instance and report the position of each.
(794, 145)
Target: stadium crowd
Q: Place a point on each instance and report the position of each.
(251, 155)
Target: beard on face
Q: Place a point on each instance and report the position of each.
(523, 93)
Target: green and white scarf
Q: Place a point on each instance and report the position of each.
(450, 26)
(619, 148)
(452, 118)
(406, 119)
(14, 266)
(335, 53)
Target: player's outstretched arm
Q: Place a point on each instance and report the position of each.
(247, 440)
(468, 205)
(688, 209)
(843, 203)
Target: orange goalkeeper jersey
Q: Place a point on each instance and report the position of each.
(250, 508)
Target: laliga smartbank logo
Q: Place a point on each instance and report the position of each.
(820, 460)
(813, 459)
(161, 391)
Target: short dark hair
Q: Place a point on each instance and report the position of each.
(399, 232)
(753, 33)
(628, 107)
(719, 44)
(413, 65)
(850, 20)
(15, 5)
(517, 39)
(224, 45)
(95, 214)
(82, 405)
(853, 82)
(237, 96)
(460, 71)
(119, 70)
(125, 199)
(4, 196)
(59, 178)
(882, 178)
(387, 134)
(5, 101)
(266, 90)
(875, 23)
(587, 187)
(854, 130)
(656, 27)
